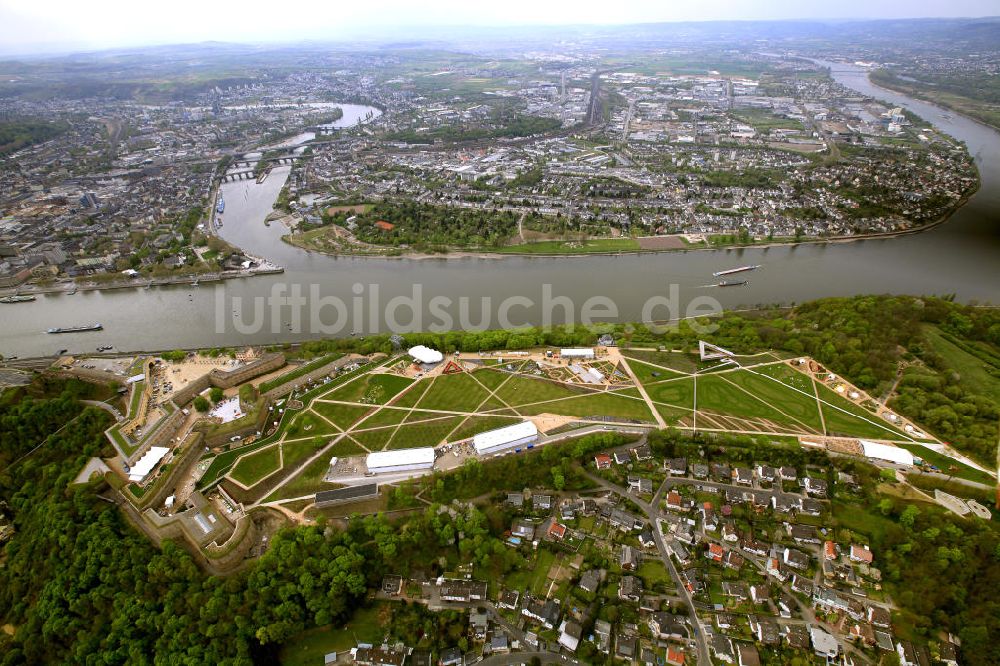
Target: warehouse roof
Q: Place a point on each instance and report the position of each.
(424, 455)
(893, 454)
(488, 440)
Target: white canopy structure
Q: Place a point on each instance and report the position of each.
(422, 354)
(401, 460)
(508, 437)
(141, 469)
(893, 454)
(577, 352)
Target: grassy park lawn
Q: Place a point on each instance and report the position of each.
(672, 360)
(373, 440)
(524, 390)
(373, 389)
(477, 424)
(858, 422)
(294, 453)
(647, 373)
(341, 415)
(491, 379)
(412, 396)
(457, 393)
(679, 393)
(672, 415)
(597, 404)
(427, 433)
(716, 394)
(788, 400)
(653, 574)
(385, 417)
(254, 467)
(308, 424)
(308, 481)
(973, 371)
(309, 647)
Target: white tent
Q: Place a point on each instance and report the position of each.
(893, 454)
(505, 438)
(146, 463)
(423, 354)
(400, 460)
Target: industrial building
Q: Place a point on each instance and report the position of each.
(893, 454)
(503, 439)
(403, 460)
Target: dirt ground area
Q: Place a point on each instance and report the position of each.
(661, 243)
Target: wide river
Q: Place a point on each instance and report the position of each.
(335, 295)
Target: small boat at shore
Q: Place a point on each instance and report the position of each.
(17, 299)
(733, 283)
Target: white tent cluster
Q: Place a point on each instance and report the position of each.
(422, 354)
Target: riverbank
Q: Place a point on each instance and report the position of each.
(486, 253)
(69, 286)
(966, 106)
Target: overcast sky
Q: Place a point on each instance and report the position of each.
(27, 25)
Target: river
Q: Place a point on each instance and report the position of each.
(343, 294)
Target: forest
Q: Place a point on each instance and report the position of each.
(15, 135)
(426, 226)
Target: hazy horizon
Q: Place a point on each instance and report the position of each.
(60, 25)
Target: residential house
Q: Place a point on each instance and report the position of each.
(622, 457)
(478, 625)
(523, 529)
(603, 461)
(380, 656)
(829, 550)
(824, 644)
(729, 532)
(699, 471)
(722, 648)
(733, 560)
(602, 635)
(541, 611)
(451, 657)
(765, 630)
(508, 599)
(737, 590)
(743, 476)
(766, 474)
(675, 656)
(803, 533)
(462, 591)
(667, 626)
(760, 594)
(810, 506)
(569, 635)
(516, 500)
(628, 558)
(640, 484)
(715, 552)
(861, 554)
(747, 655)
(815, 487)
(796, 559)
(630, 589)
(797, 636)
(676, 466)
(787, 474)
(541, 502)
(678, 550)
(626, 647)
(557, 531)
(879, 617)
(590, 581)
(643, 452)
